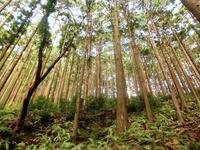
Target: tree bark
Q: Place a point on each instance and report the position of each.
(193, 6)
(98, 69)
(122, 118)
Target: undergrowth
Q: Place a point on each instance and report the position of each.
(50, 127)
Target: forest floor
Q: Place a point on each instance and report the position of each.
(97, 131)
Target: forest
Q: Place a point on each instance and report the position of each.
(100, 74)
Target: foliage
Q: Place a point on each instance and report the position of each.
(41, 109)
(95, 104)
(6, 136)
(58, 135)
(95, 134)
(99, 104)
(70, 107)
(136, 104)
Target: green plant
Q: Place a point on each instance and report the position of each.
(5, 138)
(41, 109)
(8, 114)
(70, 108)
(95, 104)
(136, 104)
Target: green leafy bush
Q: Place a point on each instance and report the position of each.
(136, 104)
(164, 98)
(41, 109)
(99, 104)
(8, 114)
(95, 104)
(71, 107)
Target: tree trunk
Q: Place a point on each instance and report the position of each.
(98, 69)
(122, 118)
(66, 93)
(23, 82)
(88, 48)
(8, 16)
(172, 92)
(5, 4)
(187, 54)
(139, 69)
(192, 89)
(193, 6)
(77, 109)
(5, 57)
(7, 75)
(25, 106)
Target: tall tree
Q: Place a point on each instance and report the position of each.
(137, 63)
(122, 119)
(45, 37)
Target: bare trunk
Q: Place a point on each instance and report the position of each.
(122, 118)
(98, 69)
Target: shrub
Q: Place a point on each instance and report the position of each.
(41, 109)
(95, 104)
(136, 104)
(99, 104)
(155, 102)
(164, 98)
(71, 107)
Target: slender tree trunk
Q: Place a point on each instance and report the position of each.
(187, 55)
(107, 84)
(5, 79)
(173, 75)
(4, 60)
(50, 84)
(176, 82)
(172, 92)
(139, 69)
(13, 97)
(88, 47)
(65, 95)
(7, 17)
(98, 69)
(184, 73)
(77, 110)
(7, 2)
(13, 79)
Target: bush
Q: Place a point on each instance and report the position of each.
(155, 102)
(41, 109)
(136, 104)
(99, 104)
(70, 108)
(95, 104)
(164, 98)
(110, 104)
